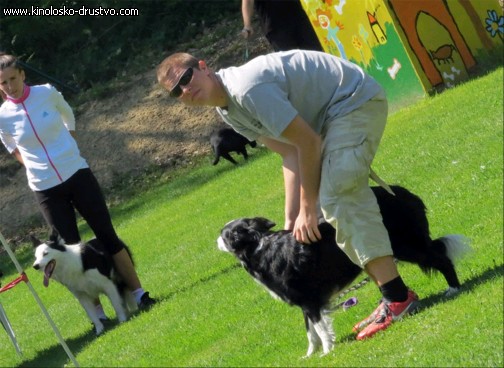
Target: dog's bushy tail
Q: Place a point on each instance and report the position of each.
(455, 246)
(451, 248)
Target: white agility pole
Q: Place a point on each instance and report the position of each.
(8, 328)
(42, 307)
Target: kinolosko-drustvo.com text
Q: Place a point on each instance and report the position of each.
(66, 11)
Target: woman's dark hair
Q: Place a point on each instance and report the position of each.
(7, 61)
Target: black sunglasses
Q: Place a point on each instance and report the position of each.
(184, 80)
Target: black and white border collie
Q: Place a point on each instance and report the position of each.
(87, 270)
(308, 276)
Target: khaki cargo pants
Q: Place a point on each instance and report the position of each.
(350, 143)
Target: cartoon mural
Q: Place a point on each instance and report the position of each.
(410, 47)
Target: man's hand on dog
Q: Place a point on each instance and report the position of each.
(306, 228)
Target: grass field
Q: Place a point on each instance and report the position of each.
(448, 149)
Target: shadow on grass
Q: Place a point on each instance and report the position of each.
(202, 280)
(469, 285)
(55, 356)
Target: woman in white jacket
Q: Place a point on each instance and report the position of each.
(37, 126)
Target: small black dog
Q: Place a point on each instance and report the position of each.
(309, 275)
(226, 140)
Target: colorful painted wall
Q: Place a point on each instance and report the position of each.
(410, 46)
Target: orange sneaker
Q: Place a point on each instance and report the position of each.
(366, 321)
(386, 313)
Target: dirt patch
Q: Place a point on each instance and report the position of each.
(137, 126)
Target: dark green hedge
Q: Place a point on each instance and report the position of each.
(84, 50)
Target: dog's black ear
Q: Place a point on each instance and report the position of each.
(242, 238)
(35, 241)
(261, 224)
(54, 235)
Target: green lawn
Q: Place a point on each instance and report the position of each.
(448, 149)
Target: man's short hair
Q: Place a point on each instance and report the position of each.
(181, 59)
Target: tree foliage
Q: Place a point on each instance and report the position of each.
(84, 50)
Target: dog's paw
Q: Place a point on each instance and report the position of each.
(451, 291)
(323, 354)
(309, 353)
(99, 329)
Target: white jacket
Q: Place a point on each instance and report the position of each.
(38, 125)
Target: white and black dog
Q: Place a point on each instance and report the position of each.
(87, 270)
(308, 276)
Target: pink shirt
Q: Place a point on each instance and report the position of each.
(38, 125)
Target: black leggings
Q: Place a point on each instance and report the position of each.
(80, 192)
